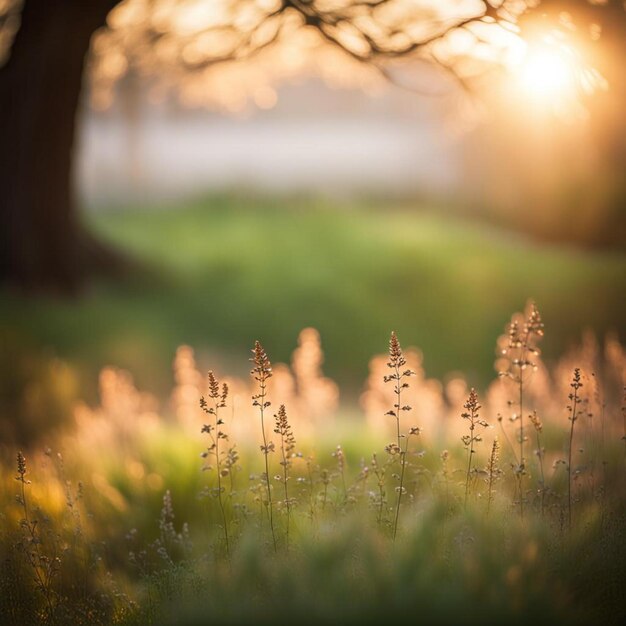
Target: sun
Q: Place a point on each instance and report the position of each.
(549, 72)
(553, 72)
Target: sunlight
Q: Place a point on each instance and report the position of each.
(549, 72)
(555, 73)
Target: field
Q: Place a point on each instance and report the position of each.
(223, 271)
(362, 500)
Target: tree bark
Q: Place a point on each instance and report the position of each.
(42, 242)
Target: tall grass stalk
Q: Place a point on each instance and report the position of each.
(216, 434)
(396, 363)
(471, 413)
(493, 472)
(520, 352)
(573, 416)
(262, 372)
(43, 567)
(287, 445)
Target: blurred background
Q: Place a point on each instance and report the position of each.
(210, 173)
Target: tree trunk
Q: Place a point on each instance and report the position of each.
(42, 243)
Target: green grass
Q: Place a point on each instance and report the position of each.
(117, 518)
(225, 270)
(449, 565)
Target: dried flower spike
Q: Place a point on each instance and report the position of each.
(493, 471)
(261, 372)
(521, 355)
(214, 430)
(472, 414)
(21, 468)
(575, 400)
(262, 367)
(396, 363)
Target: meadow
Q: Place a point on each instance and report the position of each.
(174, 470)
(219, 272)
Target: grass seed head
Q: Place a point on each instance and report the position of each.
(396, 358)
(262, 367)
(21, 468)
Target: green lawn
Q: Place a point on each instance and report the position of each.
(224, 271)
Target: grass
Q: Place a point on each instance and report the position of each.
(121, 521)
(134, 513)
(225, 270)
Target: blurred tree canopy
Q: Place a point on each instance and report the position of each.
(189, 46)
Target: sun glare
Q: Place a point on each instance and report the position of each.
(549, 72)
(553, 73)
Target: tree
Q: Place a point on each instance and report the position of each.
(43, 243)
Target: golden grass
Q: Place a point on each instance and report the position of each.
(123, 525)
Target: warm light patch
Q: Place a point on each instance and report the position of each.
(553, 73)
(549, 72)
